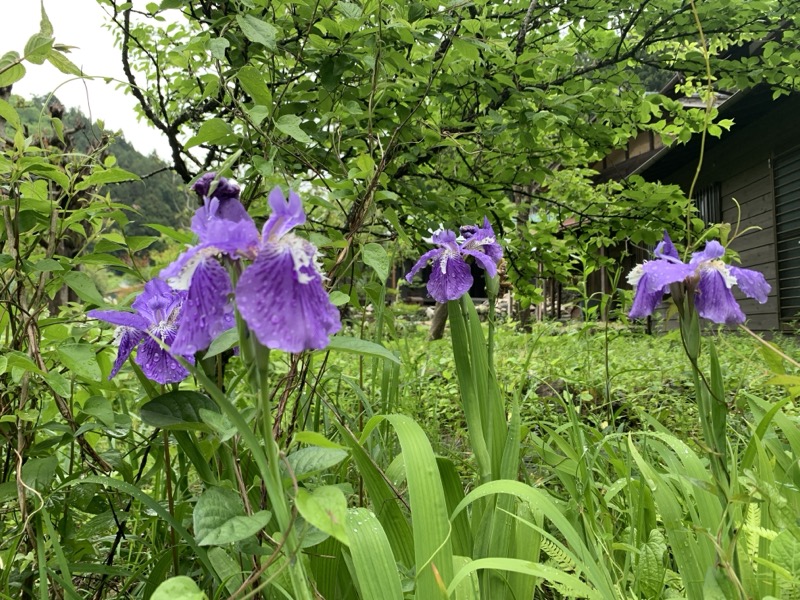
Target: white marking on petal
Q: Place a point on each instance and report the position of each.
(182, 280)
(304, 255)
(635, 275)
(721, 268)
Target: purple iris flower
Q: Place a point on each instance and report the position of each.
(280, 296)
(705, 276)
(157, 313)
(451, 276)
(223, 227)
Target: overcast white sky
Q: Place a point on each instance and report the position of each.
(78, 23)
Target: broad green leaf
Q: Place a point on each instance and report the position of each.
(38, 47)
(326, 509)
(177, 410)
(217, 47)
(10, 114)
(307, 461)
(213, 131)
(224, 341)
(290, 125)
(178, 588)
(375, 256)
(80, 283)
(39, 473)
(45, 26)
(339, 298)
(258, 31)
(81, 360)
(11, 70)
(100, 408)
(113, 175)
(359, 346)
(253, 83)
(219, 518)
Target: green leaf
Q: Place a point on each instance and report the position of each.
(290, 125)
(80, 283)
(373, 561)
(217, 47)
(375, 256)
(213, 131)
(39, 473)
(178, 588)
(339, 298)
(219, 518)
(81, 360)
(362, 347)
(100, 408)
(63, 64)
(253, 83)
(307, 461)
(11, 69)
(326, 509)
(224, 341)
(114, 175)
(178, 410)
(45, 27)
(10, 114)
(182, 237)
(258, 31)
(37, 48)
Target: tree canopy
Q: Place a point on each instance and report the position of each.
(404, 115)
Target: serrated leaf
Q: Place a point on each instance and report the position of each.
(45, 27)
(177, 410)
(178, 588)
(258, 31)
(11, 70)
(326, 509)
(375, 256)
(81, 360)
(63, 64)
(290, 125)
(362, 347)
(219, 518)
(307, 461)
(37, 48)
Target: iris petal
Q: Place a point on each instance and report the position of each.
(282, 312)
(450, 282)
(158, 364)
(752, 283)
(207, 310)
(715, 301)
(128, 339)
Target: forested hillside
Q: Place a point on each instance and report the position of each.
(158, 198)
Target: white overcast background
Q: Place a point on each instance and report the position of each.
(79, 23)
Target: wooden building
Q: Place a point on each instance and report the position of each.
(751, 172)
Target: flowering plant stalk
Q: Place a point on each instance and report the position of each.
(702, 288)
